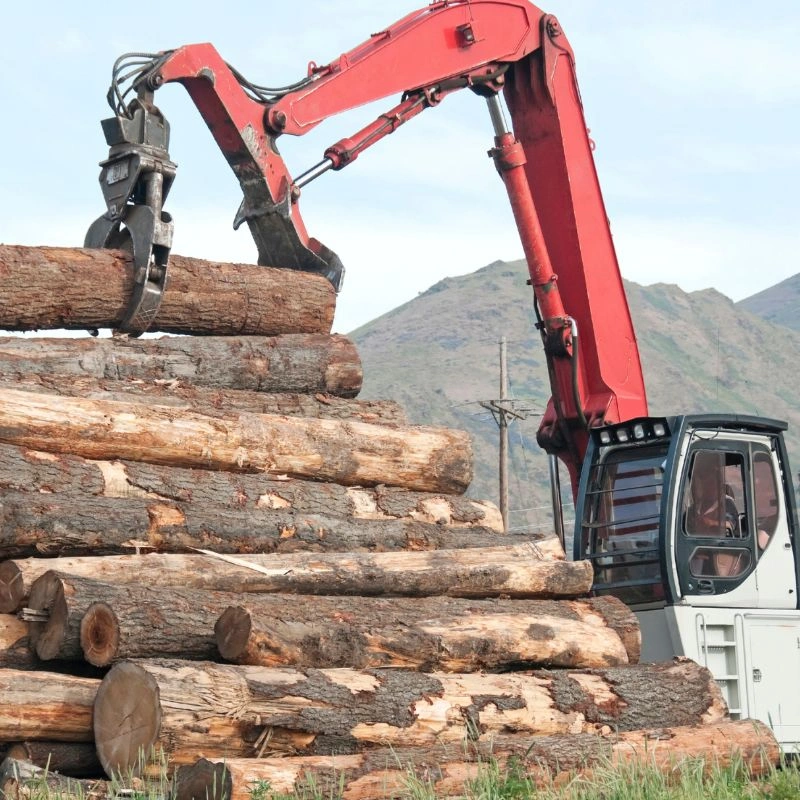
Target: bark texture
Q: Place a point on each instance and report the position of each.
(447, 771)
(62, 287)
(45, 706)
(350, 453)
(22, 780)
(58, 525)
(305, 363)
(228, 712)
(516, 571)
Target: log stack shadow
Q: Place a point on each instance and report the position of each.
(213, 554)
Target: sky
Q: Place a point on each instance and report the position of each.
(694, 108)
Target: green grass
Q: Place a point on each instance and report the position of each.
(691, 780)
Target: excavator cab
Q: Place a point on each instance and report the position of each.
(691, 520)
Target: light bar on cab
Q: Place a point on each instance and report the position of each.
(636, 431)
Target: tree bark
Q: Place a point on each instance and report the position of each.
(57, 525)
(303, 363)
(516, 571)
(104, 623)
(45, 706)
(215, 401)
(22, 780)
(449, 771)
(74, 759)
(61, 287)
(183, 709)
(350, 453)
(426, 634)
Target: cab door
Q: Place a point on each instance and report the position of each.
(731, 531)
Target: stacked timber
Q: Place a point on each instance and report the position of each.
(213, 554)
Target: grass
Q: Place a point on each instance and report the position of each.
(691, 780)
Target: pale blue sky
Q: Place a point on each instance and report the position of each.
(694, 107)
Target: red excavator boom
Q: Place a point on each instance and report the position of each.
(489, 46)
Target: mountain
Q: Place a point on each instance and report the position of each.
(438, 356)
(780, 304)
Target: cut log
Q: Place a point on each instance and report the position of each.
(222, 711)
(57, 525)
(514, 570)
(45, 706)
(135, 621)
(62, 287)
(24, 470)
(74, 759)
(22, 780)
(429, 633)
(214, 401)
(14, 650)
(288, 363)
(350, 453)
(450, 771)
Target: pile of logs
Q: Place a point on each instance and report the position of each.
(213, 556)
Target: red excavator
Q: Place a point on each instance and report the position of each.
(689, 519)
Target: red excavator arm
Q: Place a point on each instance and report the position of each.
(489, 46)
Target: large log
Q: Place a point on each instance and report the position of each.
(350, 453)
(45, 706)
(24, 470)
(22, 780)
(429, 633)
(513, 570)
(104, 623)
(74, 759)
(454, 771)
(288, 363)
(214, 401)
(183, 709)
(61, 287)
(58, 525)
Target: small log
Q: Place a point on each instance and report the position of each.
(514, 570)
(75, 288)
(58, 525)
(303, 363)
(350, 453)
(448, 771)
(74, 759)
(182, 709)
(14, 650)
(103, 623)
(45, 706)
(214, 401)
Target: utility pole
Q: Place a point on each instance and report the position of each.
(503, 414)
(503, 425)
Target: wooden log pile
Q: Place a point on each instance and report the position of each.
(213, 554)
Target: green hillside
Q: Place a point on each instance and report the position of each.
(438, 356)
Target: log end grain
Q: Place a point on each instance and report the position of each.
(12, 587)
(100, 634)
(232, 632)
(203, 780)
(47, 595)
(127, 718)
